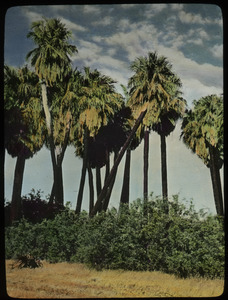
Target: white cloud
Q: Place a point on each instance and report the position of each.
(60, 8)
(197, 37)
(91, 9)
(154, 9)
(88, 52)
(136, 41)
(193, 89)
(128, 5)
(34, 16)
(187, 68)
(72, 26)
(176, 6)
(193, 18)
(198, 79)
(198, 41)
(203, 34)
(104, 21)
(31, 15)
(124, 24)
(217, 51)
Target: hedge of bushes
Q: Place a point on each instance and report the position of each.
(185, 242)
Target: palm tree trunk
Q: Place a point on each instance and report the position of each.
(107, 197)
(216, 182)
(146, 166)
(91, 189)
(83, 174)
(52, 196)
(59, 186)
(118, 160)
(48, 121)
(164, 172)
(107, 166)
(98, 180)
(16, 205)
(60, 194)
(50, 136)
(124, 199)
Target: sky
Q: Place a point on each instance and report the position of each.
(109, 38)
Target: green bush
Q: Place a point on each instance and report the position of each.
(34, 208)
(184, 242)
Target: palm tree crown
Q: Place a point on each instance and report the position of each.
(155, 86)
(203, 125)
(51, 58)
(202, 132)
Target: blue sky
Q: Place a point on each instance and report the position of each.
(109, 38)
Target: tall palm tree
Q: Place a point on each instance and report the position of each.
(24, 125)
(98, 103)
(164, 126)
(63, 95)
(127, 127)
(155, 86)
(51, 60)
(202, 132)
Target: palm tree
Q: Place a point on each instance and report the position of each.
(202, 132)
(127, 127)
(164, 126)
(24, 125)
(63, 95)
(51, 60)
(155, 86)
(98, 103)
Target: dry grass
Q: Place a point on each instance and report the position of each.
(64, 280)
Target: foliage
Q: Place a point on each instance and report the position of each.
(185, 243)
(155, 86)
(24, 125)
(51, 58)
(203, 126)
(34, 208)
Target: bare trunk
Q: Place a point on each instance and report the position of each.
(50, 137)
(91, 189)
(16, 205)
(107, 166)
(146, 168)
(107, 197)
(98, 180)
(216, 181)
(164, 172)
(124, 199)
(59, 174)
(57, 192)
(83, 174)
(59, 186)
(48, 122)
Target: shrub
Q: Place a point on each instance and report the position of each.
(184, 242)
(34, 209)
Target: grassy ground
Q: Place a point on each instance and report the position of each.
(64, 280)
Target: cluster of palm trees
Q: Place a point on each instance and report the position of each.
(53, 104)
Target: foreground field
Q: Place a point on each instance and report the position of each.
(64, 280)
